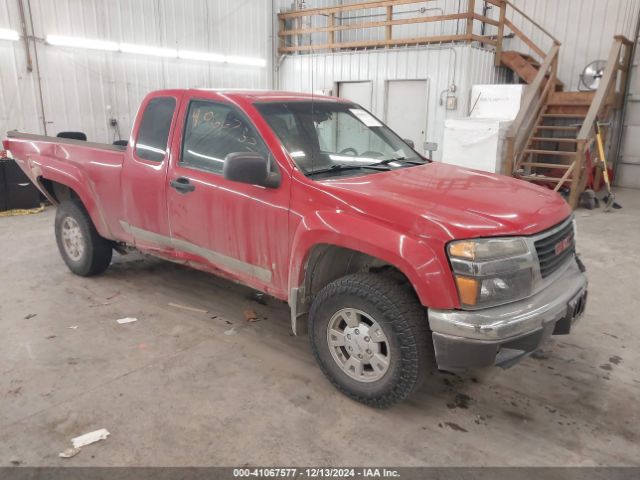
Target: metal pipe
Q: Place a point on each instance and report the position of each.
(25, 35)
(418, 10)
(38, 78)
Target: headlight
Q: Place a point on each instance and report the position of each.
(491, 271)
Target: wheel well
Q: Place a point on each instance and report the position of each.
(327, 263)
(58, 192)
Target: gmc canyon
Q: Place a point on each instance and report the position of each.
(392, 263)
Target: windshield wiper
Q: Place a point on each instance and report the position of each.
(341, 167)
(398, 159)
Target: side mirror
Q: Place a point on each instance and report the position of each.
(251, 168)
(409, 142)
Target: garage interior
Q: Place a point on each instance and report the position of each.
(508, 87)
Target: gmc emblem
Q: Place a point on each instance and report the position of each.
(563, 244)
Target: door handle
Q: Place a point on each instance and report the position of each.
(183, 185)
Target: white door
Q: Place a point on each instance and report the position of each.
(357, 92)
(406, 110)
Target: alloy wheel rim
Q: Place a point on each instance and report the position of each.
(358, 345)
(72, 239)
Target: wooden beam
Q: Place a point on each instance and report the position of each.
(388, 30)
(565, 176)
(484, 19)
(308, 12)
(332, 33)
(500, 38)
(471, 7)
(606, 83)
(481, 39)
(377, 43)
(574, 195)
(382, 23)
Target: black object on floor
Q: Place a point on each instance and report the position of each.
(16, 188)
(3, 188)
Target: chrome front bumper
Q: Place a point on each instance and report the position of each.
(503, 335)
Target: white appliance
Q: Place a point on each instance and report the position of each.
(478, 140)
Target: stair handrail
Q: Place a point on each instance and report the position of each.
(609, 80)
(612, 84)
(536, 24)
(531, 106)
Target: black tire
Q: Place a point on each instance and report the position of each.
(97, 252)
(403, 320)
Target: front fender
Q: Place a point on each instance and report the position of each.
(425, 266)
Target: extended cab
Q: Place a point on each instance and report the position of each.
(384, 257)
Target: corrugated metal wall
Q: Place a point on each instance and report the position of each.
(584, 27)
(82, 89)
(461, 65)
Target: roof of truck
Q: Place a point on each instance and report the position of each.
(267, 95)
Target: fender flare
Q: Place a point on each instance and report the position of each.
(426, 268)
(74, 178)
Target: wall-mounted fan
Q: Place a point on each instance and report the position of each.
(591, 75)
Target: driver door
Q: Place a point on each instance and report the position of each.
(236, 228)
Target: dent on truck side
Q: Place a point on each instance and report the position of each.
(377, 244)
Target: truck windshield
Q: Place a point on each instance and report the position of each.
(327, 138)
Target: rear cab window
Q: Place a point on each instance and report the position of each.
(153, 133)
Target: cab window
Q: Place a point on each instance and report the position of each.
(154, 129)
(214, 130)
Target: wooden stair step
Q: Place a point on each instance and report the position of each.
(546, 165)
(550, 152)
(577, 110)
(555, 139)
(525, 66)
(558, 128)
(562, 115)
(530, 59)
(571, 99)
(516, 62)
(536, 178)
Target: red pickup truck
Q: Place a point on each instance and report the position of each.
(392, 263)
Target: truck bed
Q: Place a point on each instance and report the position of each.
(91, 169)
(67, 141)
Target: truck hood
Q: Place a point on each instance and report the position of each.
(452, 202)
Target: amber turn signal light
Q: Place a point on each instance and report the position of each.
(463, 250)
(467, 289)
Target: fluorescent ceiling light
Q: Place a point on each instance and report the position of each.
(217, 58)
(77, 42)
(145, 50)
(254, 62)
(6, 34)
(201, 56)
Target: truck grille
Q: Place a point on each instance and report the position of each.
(554, 249)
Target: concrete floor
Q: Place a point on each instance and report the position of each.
(174, 389)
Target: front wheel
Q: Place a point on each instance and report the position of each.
(370, 337)
(84, 251)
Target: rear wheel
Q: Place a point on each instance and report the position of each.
(370, 337)
(84, 251)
